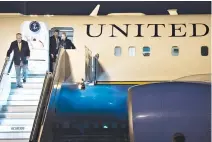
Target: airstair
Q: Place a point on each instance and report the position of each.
(18, 106)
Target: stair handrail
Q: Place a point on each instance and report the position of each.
(41, 115)
(95, 67)
(7, 66)
(41, 107)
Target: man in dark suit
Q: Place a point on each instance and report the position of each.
(66, 43)
(53, 49)
(21, 56)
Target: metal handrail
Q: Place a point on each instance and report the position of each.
(3, 69)
(56, 64)
(43, 103)
(53, 76)
(10, 67)
(6, 62)
(52, 83)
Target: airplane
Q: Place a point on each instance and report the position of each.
(113, 54)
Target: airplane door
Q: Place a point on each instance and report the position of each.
(159, 111)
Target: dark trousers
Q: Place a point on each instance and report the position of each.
(52, 63)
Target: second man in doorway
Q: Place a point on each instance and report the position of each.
(54, 48)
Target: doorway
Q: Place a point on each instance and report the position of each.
(69, 34)
(68, 30)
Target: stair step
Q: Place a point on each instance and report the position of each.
(23, 98)
(20, 108)
(28, 86)
(20, 102)
(12, 115)
(37, 75)
(23, 128)
(34, 75)
(13, 76)
(18, 112)
(25, 91)
(10, 122)
(20, 140)
(31, 80)
(14, 135)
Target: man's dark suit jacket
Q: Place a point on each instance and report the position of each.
(19, 55)
(52, 48)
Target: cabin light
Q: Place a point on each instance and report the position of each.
(105, 127)
(141, 116)
(11, 14)
(172, 11)
(33, 15)
(81, 85)
(48, 15)
(126, 14)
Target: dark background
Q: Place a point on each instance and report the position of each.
(86, 7)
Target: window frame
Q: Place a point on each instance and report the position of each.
(133, 47)
(146, 53)
(178, 51)
(204, 46)
(116, 52)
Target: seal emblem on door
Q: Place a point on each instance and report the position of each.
(34, 26)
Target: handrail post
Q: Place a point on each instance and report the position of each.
(94, 68)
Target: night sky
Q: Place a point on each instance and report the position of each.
(85, 8)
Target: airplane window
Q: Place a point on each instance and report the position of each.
(204, 51)
(131, 51)
(146, 51)
(175, 51)
(117, 51)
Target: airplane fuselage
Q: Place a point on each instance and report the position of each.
(161, 34)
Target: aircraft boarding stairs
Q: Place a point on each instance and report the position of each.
(25, 115)
(18, 105)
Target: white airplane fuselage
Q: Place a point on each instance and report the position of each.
(160, 34)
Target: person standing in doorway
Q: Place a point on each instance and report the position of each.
(66, 43)
(21, 56)
(53, 49)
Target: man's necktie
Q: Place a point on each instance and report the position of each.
(57, 42)
(19, 46)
